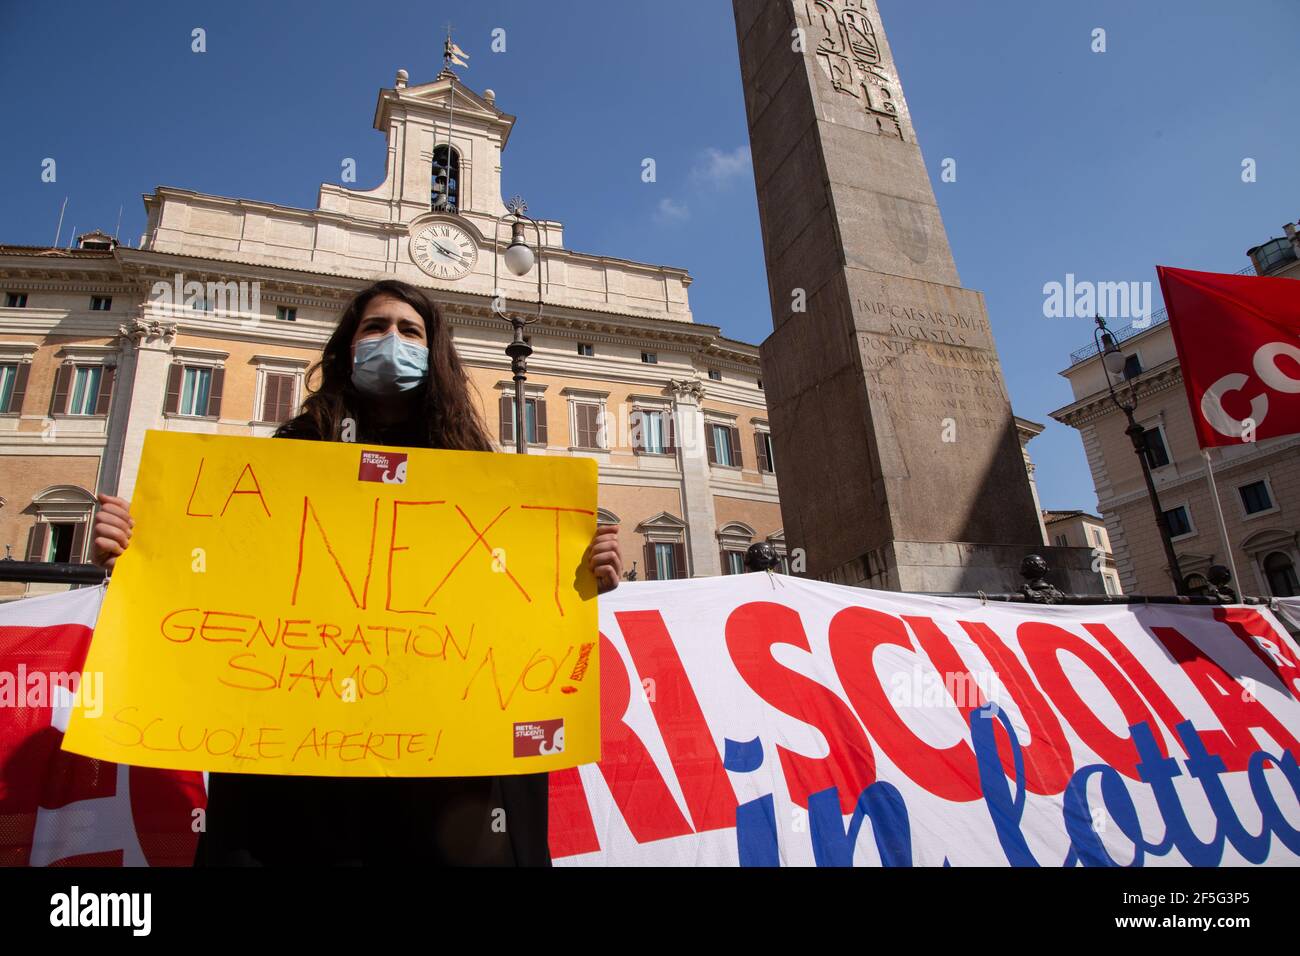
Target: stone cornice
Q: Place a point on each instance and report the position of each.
(1099, 405)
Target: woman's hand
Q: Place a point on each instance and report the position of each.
(606, 560)
(111, 531)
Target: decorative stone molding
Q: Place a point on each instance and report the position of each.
(141, 331)
(686, 388)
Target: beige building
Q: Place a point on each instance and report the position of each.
(209, 325)
(1258, 484)
(1078, 529)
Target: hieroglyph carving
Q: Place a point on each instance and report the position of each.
(849, 52)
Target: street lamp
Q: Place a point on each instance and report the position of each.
(520, 259)
(1113, 363)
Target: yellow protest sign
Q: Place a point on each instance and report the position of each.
(336, 609)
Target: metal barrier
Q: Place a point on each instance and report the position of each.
(1034, 591)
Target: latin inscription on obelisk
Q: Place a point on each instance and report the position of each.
(896, 449)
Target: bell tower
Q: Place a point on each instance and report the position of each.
(444, 143)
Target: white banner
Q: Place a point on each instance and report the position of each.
(763, 720)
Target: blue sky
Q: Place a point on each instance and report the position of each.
(1068, 161)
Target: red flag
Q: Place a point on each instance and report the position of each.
(1238, 341)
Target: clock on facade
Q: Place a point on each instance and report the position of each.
(443, 249)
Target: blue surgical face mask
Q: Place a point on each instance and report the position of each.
(389, 364)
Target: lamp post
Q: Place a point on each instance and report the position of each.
(520, 258)
(1112, 363)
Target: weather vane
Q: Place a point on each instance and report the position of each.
(451, 53)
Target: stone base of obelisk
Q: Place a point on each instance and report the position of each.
(946, 567)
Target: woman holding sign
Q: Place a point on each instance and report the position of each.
(389, 375)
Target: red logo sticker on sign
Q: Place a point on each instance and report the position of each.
(385, 466)
(539, 737)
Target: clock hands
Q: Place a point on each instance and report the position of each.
(447, 252)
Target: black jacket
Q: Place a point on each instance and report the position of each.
(257, 819)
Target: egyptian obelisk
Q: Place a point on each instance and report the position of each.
(895, 447)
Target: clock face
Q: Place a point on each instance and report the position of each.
(443, 250)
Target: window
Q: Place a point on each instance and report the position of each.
(760, 384)
(82, 389)
(1062, 541)
(1132, 367)
(534, 420)
(13, 383)
(15, 300)
(1109, 583)
(61, 541)
(734, 562)
(444, 192)
(763, 445)
(62, 516)
(585, 348)
(286, 313)
(277, 396)
(194, 390)
(665, 560)
(1096, 538)
(1180, 522)
(1153, 442)
(723, 445)
(1255, 497)
(85, 389)
(1280, 571)
(650, 358)
(101, 303)
(715, 374)
(651, 431)
(60, 546)
(203, 304)
(587, 425)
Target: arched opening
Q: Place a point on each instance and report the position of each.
(1280, 571)
(445, 180)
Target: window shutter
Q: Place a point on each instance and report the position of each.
(214, 393)
(78, 542)
(506, 406)
(270, 398)
(20, 388)
(650, 561)
(172, 402)
(36, 541)
(679, 559)
(726, 565)
(708, 444)
(581, 425)
(670, 430)
(636, 422)
(541, 421)
(760, 451)
(59, 401)
(105, 393)
(285, 410)
(736, 458)
(277, 402)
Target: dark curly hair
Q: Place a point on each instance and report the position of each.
(445, 415)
